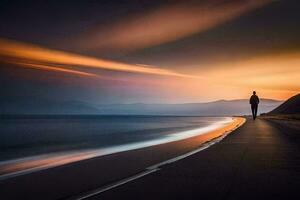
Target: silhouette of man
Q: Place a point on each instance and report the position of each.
(254, 101)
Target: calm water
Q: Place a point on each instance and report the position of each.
(29, 137)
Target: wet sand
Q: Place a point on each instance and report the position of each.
(25, 165)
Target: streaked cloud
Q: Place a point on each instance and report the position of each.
(53, 68)
(33, 53)
(165, 24)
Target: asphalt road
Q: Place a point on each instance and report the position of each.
(260, 160)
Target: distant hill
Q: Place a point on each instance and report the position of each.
(290, 106)
(37, 106)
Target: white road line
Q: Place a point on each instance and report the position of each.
(204, 146)
(119, 183)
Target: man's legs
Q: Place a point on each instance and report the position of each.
(253, 111)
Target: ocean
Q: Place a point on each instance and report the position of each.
(33, 138)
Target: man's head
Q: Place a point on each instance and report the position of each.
(254, 92)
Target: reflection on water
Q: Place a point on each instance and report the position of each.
(142, 138)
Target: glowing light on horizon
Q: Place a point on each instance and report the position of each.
(271, 71)
(276, 75)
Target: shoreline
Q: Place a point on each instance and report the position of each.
(31, 166)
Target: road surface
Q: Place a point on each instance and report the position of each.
(260, 160)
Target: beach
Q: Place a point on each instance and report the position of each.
(150, 100)
(50, 141)
(79, 177)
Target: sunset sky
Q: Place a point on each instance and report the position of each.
(149, 51)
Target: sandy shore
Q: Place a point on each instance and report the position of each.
(74, 178)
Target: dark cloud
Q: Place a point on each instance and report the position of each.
(268, 30)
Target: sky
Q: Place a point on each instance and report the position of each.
(149, 51)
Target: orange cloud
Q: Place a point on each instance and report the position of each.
(165, 24)
(57, 69)
(18, 50)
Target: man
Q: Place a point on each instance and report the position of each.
(254, 101)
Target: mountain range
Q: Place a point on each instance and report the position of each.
(34, 106)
